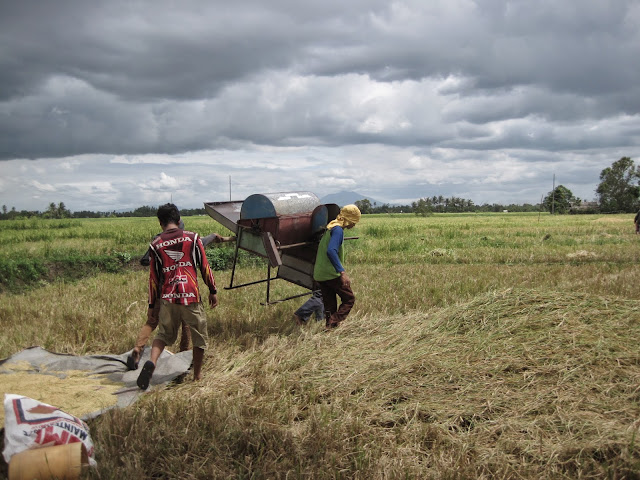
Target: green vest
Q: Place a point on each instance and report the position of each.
(324, 269)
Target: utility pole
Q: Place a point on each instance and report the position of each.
(229, 187)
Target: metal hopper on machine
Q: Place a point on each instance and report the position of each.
(282, 227)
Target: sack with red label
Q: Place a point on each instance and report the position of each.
(29, 423)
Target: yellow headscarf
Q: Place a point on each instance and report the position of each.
(348, 214)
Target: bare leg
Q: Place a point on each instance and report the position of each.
(146, 330)
(185, 337)
(198, 355)
(146, 373)
(143, 337)
(156, 349)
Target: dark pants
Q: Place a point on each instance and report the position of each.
(311, 306)
(329, 289)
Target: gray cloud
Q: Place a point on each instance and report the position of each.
(391, 98)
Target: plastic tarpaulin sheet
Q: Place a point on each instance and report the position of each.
(95, 373)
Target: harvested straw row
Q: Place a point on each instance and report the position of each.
(511, 383)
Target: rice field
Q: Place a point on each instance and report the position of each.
(480, 346)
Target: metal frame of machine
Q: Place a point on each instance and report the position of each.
(283, 227)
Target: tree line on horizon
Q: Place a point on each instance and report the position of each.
(618, 192)
(61, 211)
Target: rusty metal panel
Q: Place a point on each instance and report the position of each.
(294, 229)
(295, 276)
(261, 224)
(302, 265)
(297, 270)
(285, 230)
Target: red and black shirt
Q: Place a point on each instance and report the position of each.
(173, 271)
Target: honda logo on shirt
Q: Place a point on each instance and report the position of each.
(179, 279)
(175, 256)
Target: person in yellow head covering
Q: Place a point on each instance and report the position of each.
(329, 271)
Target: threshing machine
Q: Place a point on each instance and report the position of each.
(282, 227)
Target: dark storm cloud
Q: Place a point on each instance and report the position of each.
(123, 61)
(506, 83)
(143, 50)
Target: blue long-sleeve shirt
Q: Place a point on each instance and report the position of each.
(337, 237)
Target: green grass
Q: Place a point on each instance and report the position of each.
(36, 251)
(480, 346)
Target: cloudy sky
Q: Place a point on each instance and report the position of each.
(118, 104)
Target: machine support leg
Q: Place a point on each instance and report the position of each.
(268, 281)
(235, 258)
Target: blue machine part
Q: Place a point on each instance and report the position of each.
(319, 219)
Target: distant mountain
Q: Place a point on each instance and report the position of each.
(345, 198)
